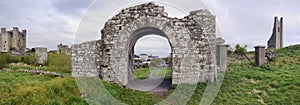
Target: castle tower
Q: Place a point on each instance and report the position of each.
(5, 40)
(276, 40)
(2, 31)
(22, 39)
(281, 32)
(13, 41)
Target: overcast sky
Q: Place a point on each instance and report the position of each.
(50, 22)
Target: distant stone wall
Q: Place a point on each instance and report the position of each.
(63, 49)
(276, 39)
(85, 58)
(41, 55)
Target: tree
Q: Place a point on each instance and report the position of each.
(240, 51)
(32, 50)
(169, 60)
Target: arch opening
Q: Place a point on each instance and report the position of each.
(153, 63)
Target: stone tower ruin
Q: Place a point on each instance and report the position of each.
(276, 40)
(13, 41)
(63, 49)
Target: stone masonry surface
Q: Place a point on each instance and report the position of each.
(276, 40)
(42, 55)
(192, 41)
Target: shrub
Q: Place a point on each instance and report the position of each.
(59, 63)
(6, 58)
(30, 60)
(146, 65)
(3, 61)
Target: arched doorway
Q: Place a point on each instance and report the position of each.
(135, 37)
(153, 82)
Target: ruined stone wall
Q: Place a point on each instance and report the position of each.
(86, 58)
(22, 44)
(1, 32)
(63, 49)
(6, 40)
(276, 39)
(192, 41)
(0, 42)
(205, 41)
(41, 55)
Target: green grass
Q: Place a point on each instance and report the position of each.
(56, 63)
(275, 83)
(19, 88)
(165, 73)
(27, 88)
(59, 63)
(141, 73)
(131, 97)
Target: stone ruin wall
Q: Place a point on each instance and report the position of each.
(84, 59)
(41, 55)
(276, 39)
(63, 49)
(192, 36)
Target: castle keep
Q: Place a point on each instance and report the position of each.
(276, 40)
(13, 41)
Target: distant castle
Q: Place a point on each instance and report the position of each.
(276, 40)
(13, 41)
(63, 49)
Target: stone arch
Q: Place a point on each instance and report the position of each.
(192, 36)
(134, 37)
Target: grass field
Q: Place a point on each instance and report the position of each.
(141, 73)
(18, 88)
(166, 73)
(275, 83)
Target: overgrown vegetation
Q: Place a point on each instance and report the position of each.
(6, 58)
(60, 63)
(19, 88)
(56, 62)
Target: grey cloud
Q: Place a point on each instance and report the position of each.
(46, 25)
(71, 7)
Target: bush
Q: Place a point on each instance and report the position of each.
(60, 63)
(146, 65)
(30, 60)
(6, 58)
(3, 61)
